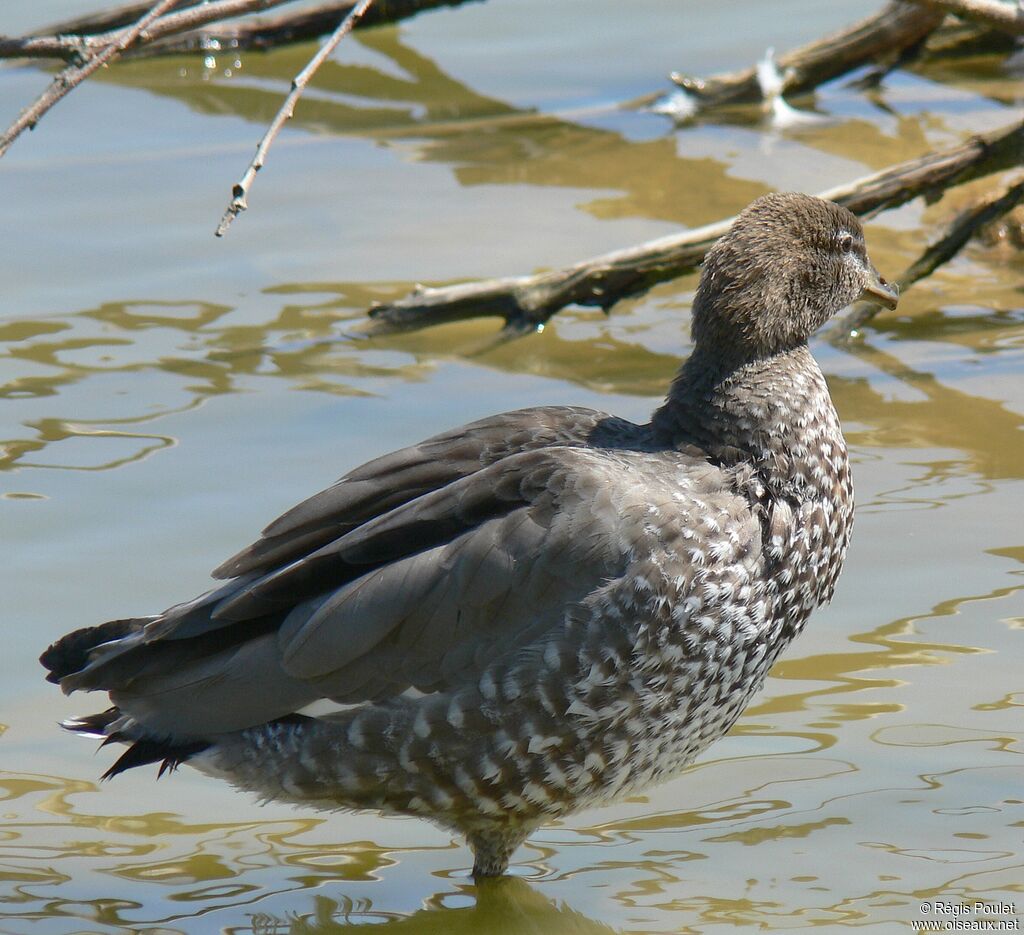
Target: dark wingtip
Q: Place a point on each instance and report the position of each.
(71, 653)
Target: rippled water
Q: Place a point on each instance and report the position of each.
(165, 394)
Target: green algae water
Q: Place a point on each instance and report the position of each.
(163, 395)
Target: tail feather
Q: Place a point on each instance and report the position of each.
(112, 726)
(96, 725)
(113, 653)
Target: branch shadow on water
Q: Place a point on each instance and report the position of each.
(484, 140)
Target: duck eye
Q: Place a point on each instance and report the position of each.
(845, 241)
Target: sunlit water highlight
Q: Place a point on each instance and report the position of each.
(163, 395)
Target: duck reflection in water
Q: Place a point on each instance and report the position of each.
(537, 612)
(503, 906)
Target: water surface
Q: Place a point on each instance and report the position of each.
(164, 395)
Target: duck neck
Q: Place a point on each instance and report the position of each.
(772, 414)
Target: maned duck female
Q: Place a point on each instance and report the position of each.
(536, 612)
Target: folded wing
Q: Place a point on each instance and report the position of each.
(424, 593)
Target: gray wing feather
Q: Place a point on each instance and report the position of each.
(369, 491)
(424, 593)
(431, 519)
(396, 478)
(435, 608)
(428, 620)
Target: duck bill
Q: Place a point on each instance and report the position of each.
(878, 290)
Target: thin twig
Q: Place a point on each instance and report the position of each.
(900, 25)
(74, 75)
(960, 230)
(527, 301)
(240, 192)
(1006, 17)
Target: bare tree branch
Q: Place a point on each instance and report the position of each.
(105, 20)
(196, 16)
(899, 26)
(90, 49)
(527, 301)
(70, 48)
(1007, 17)
(192, 17)
(271, 31)
(240, 192)
(70, 40)
(960, 230)
(74, 75)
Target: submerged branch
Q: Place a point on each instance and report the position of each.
(896, 28)
(240, 192)
(960, 230)
(528, 301)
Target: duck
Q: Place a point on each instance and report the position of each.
(538, 612)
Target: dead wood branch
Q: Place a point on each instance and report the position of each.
(182, 20)
(182, 36)
(105, 20)
(269, 32)
(934, 172)
(175, 26)
(886, 34)
(960, 230)
(527, 301)
(1006, 17)
(240, 192)
(202, 32)
(74, 75)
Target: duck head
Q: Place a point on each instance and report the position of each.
(788, 264)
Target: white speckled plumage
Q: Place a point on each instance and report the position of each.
(539, 611)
